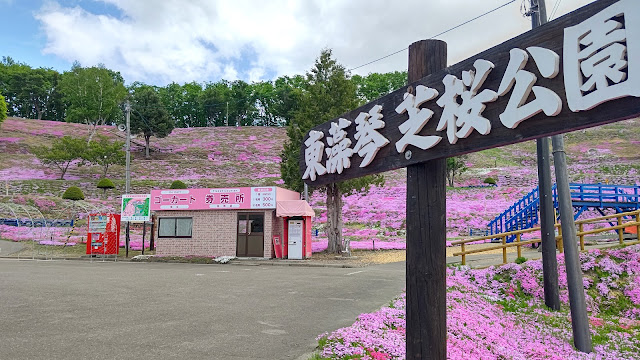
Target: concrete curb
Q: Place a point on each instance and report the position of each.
(303, 263)
(240, 262)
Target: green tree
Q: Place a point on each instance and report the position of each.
(149, 116)
(104, 152)
(31, 93)
(192, 113)
(93, 95)
(242, 108)
(328, 94)
(183, 104)
(62, 153)
(215, 100)
(287, 97)
(3, 109)
(376, 85)
(455, 167)
(265, 99)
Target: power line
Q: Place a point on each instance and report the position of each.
(555, 8)
(434, 36)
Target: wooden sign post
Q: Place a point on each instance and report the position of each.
(426, 308)
(579, 71)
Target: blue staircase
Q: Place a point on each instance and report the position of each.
(524, 213)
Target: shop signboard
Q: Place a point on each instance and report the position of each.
(243, 198)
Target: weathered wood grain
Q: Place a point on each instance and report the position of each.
(426, 307)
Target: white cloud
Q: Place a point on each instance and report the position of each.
(229, 73)
(184, 40)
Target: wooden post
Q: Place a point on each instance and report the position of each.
(152, 235)
(620, 232)
(638, 227)
(426, 308)
(144, 234)
(518, 238)
(581, 230)
(504, 249)
(561, 241)
(126, 240)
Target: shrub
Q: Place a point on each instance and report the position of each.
(105, 184)
(73, 193)
(521, 260)
(490, 181)
(178, 185)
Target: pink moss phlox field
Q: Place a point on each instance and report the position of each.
(378, 217)
(499, 313)
(44, 235)
(64, 236)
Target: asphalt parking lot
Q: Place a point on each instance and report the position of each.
(124, 310)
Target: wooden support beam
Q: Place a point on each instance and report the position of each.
(426, 232)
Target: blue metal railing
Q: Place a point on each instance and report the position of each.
(603, 195)
(523, 214)
(522, 209)
(36, 222)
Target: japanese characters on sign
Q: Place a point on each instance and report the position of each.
(98, 222)
(508, 94)
(601, 56)
(135, 207)
(222, 198)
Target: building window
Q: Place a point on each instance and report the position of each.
(174, 227)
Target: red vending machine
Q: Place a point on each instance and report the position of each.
(103, 235)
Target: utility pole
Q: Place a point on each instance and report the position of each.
(128, 147)
(579, 319)
(226, 121)
(547, 214)
(127, 183)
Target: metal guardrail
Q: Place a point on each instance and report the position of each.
(518, 243)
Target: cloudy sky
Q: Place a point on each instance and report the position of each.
(160, 41)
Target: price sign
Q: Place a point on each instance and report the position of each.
(263, 197)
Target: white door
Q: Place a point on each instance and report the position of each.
(295, 239)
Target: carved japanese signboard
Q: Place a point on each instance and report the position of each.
(579, 71)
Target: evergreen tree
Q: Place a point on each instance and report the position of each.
(328, 93)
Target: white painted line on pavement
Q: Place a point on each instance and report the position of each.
(353, 273)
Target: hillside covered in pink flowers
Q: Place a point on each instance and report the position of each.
(493, 313)
(250, 156)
